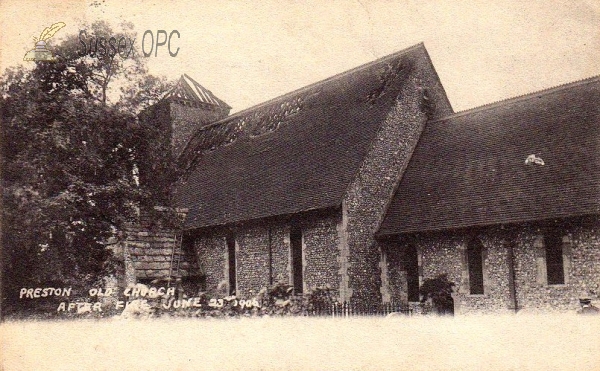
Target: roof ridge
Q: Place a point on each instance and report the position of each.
(520, 97)
(316, 84)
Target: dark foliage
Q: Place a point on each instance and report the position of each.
(72, 150)
(439, 290)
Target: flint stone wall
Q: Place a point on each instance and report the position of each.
(369, 193)
(211, 250)
(445, 253)
(582, 276)
(263, 254)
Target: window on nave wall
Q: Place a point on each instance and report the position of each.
(554, 258)
(296, 259)
(475, 266)
(231, 260)
(411, 263)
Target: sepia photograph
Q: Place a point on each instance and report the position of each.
(300, 185)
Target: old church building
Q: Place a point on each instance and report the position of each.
(369, 183)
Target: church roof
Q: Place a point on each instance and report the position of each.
(188, 90)
(298, 152)
(529, 158)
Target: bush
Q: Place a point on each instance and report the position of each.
(438, 290)
(277, 300)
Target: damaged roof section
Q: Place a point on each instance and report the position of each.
(528, 158)
(188, 90)
(298, 152)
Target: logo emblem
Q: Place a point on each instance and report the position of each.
(40, 52)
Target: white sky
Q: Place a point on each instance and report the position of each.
(246, 52)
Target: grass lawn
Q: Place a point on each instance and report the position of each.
(514, 342)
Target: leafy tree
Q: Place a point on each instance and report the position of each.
(72, 150)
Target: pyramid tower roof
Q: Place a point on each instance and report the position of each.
(190, 91)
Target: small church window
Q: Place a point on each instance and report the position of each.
(296, 257)
(231, 263)
(554, 259)
(475, 266)
(411, 260)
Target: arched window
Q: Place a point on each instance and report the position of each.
(475, 266)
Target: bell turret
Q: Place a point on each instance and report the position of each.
(187, 107)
